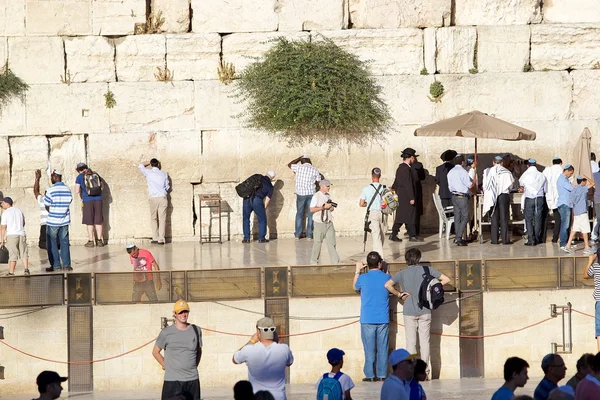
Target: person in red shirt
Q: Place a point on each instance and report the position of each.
(143, 278)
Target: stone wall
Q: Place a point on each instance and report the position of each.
(120, 328)
(73, 52)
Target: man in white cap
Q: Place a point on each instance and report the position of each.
(182, 343)
(397, 384)
(258, 203)
(322, 208)
(144, 280)
(57, 200)
(533, 185)
(306, 178)
(266, 359)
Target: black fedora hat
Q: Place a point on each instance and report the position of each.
(409, 152)
(448, 155)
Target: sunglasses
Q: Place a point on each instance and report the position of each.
(271, 329)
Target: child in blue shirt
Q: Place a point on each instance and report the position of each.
(581, 221)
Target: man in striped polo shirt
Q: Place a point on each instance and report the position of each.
(57, 200)
(593, 271)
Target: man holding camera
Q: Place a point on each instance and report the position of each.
(322, 208)
(374, 315)
(374, 223)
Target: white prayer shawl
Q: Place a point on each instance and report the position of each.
(499, 180)
(532, 180)
(552, 173)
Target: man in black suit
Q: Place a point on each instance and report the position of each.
(441, 177)
(404, 185)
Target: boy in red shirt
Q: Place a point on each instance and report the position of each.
(143, 282)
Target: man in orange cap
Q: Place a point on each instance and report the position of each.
(182, 343)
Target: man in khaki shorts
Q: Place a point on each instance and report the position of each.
(13, 236)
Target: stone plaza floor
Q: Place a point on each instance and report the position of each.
(451, 389)
(288, 251)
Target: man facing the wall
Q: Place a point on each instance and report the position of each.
(158, 187)
(306, 177)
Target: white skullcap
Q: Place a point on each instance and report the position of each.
(271, 174)
(305, 156)
(130, 245)
(57, 172)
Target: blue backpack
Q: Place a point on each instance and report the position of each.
(330, 388)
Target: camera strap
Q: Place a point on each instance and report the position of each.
(372, 200)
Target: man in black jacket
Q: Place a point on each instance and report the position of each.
(441, 177)
(404, 185)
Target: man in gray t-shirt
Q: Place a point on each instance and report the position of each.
(416, 320)
(182, 343)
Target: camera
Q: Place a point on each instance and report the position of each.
(334, 205)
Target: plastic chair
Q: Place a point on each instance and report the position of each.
(446, 216)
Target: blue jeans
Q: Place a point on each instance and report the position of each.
(258, 206)
(597, 314)
(60, 234)
(375, 337)
(565, 222)
(303, 206)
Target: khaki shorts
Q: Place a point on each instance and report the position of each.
(17, 247)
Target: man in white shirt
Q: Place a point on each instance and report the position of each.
(371, 198)
(533, 184)
(552, 174)
(322, 208)
(13, 236)
(266, 359)
(43, 241)
(158, 187)
(306, 178)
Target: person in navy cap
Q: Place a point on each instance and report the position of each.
(534, 185)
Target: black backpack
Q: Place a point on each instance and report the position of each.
(247, 188)
(431, 292)
(92, 183)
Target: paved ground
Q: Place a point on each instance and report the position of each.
(466, 389)
(234, 254)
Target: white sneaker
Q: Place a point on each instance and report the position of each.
(567, 249)
(588, 251)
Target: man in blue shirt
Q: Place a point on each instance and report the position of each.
(581, 222)
(564, 204)
(258, 203)
(460, 185)
(554, 370)
(57, 201)
(515, 376)
(374, 315)
(88, 185)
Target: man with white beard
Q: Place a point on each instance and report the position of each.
(496, 198)
(552, 173)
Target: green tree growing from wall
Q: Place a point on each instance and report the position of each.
(313, 91)
(11, 86)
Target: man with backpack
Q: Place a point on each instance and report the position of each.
(375, 220)
(88, 185)
(423, 292)
(257, 191)
(335, 385)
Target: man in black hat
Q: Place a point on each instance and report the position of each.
(441, 177)
(49, 385)
(404, 185)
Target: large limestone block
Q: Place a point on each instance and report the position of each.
(12, 17)
(242, 49)
(59, 17)
(127, 201)
(512, 96)
(65, 153)
(429, 50)
(194, 56)
(569, 11)
(13, 118)
(28, 154)
(560, 47)
(152, 106)
(176, 14)
(306, 15)
(117, 17)
(4, 163)
(90, 59)
(389, 52)
(76, 108)
(180, 213)
(37, 59)
(491, 12)
(585, 94)
(399, 13)
(455, 49)
(216, 107)
(407, 99)
(220, 156)
(234, 16)
(138, 57)
(502, 48)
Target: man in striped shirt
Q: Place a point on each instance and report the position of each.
(306, 178)
(593, 271)
(57, 200)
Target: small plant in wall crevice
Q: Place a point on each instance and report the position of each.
(109, 99)
(436, 89)
(10, 86)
